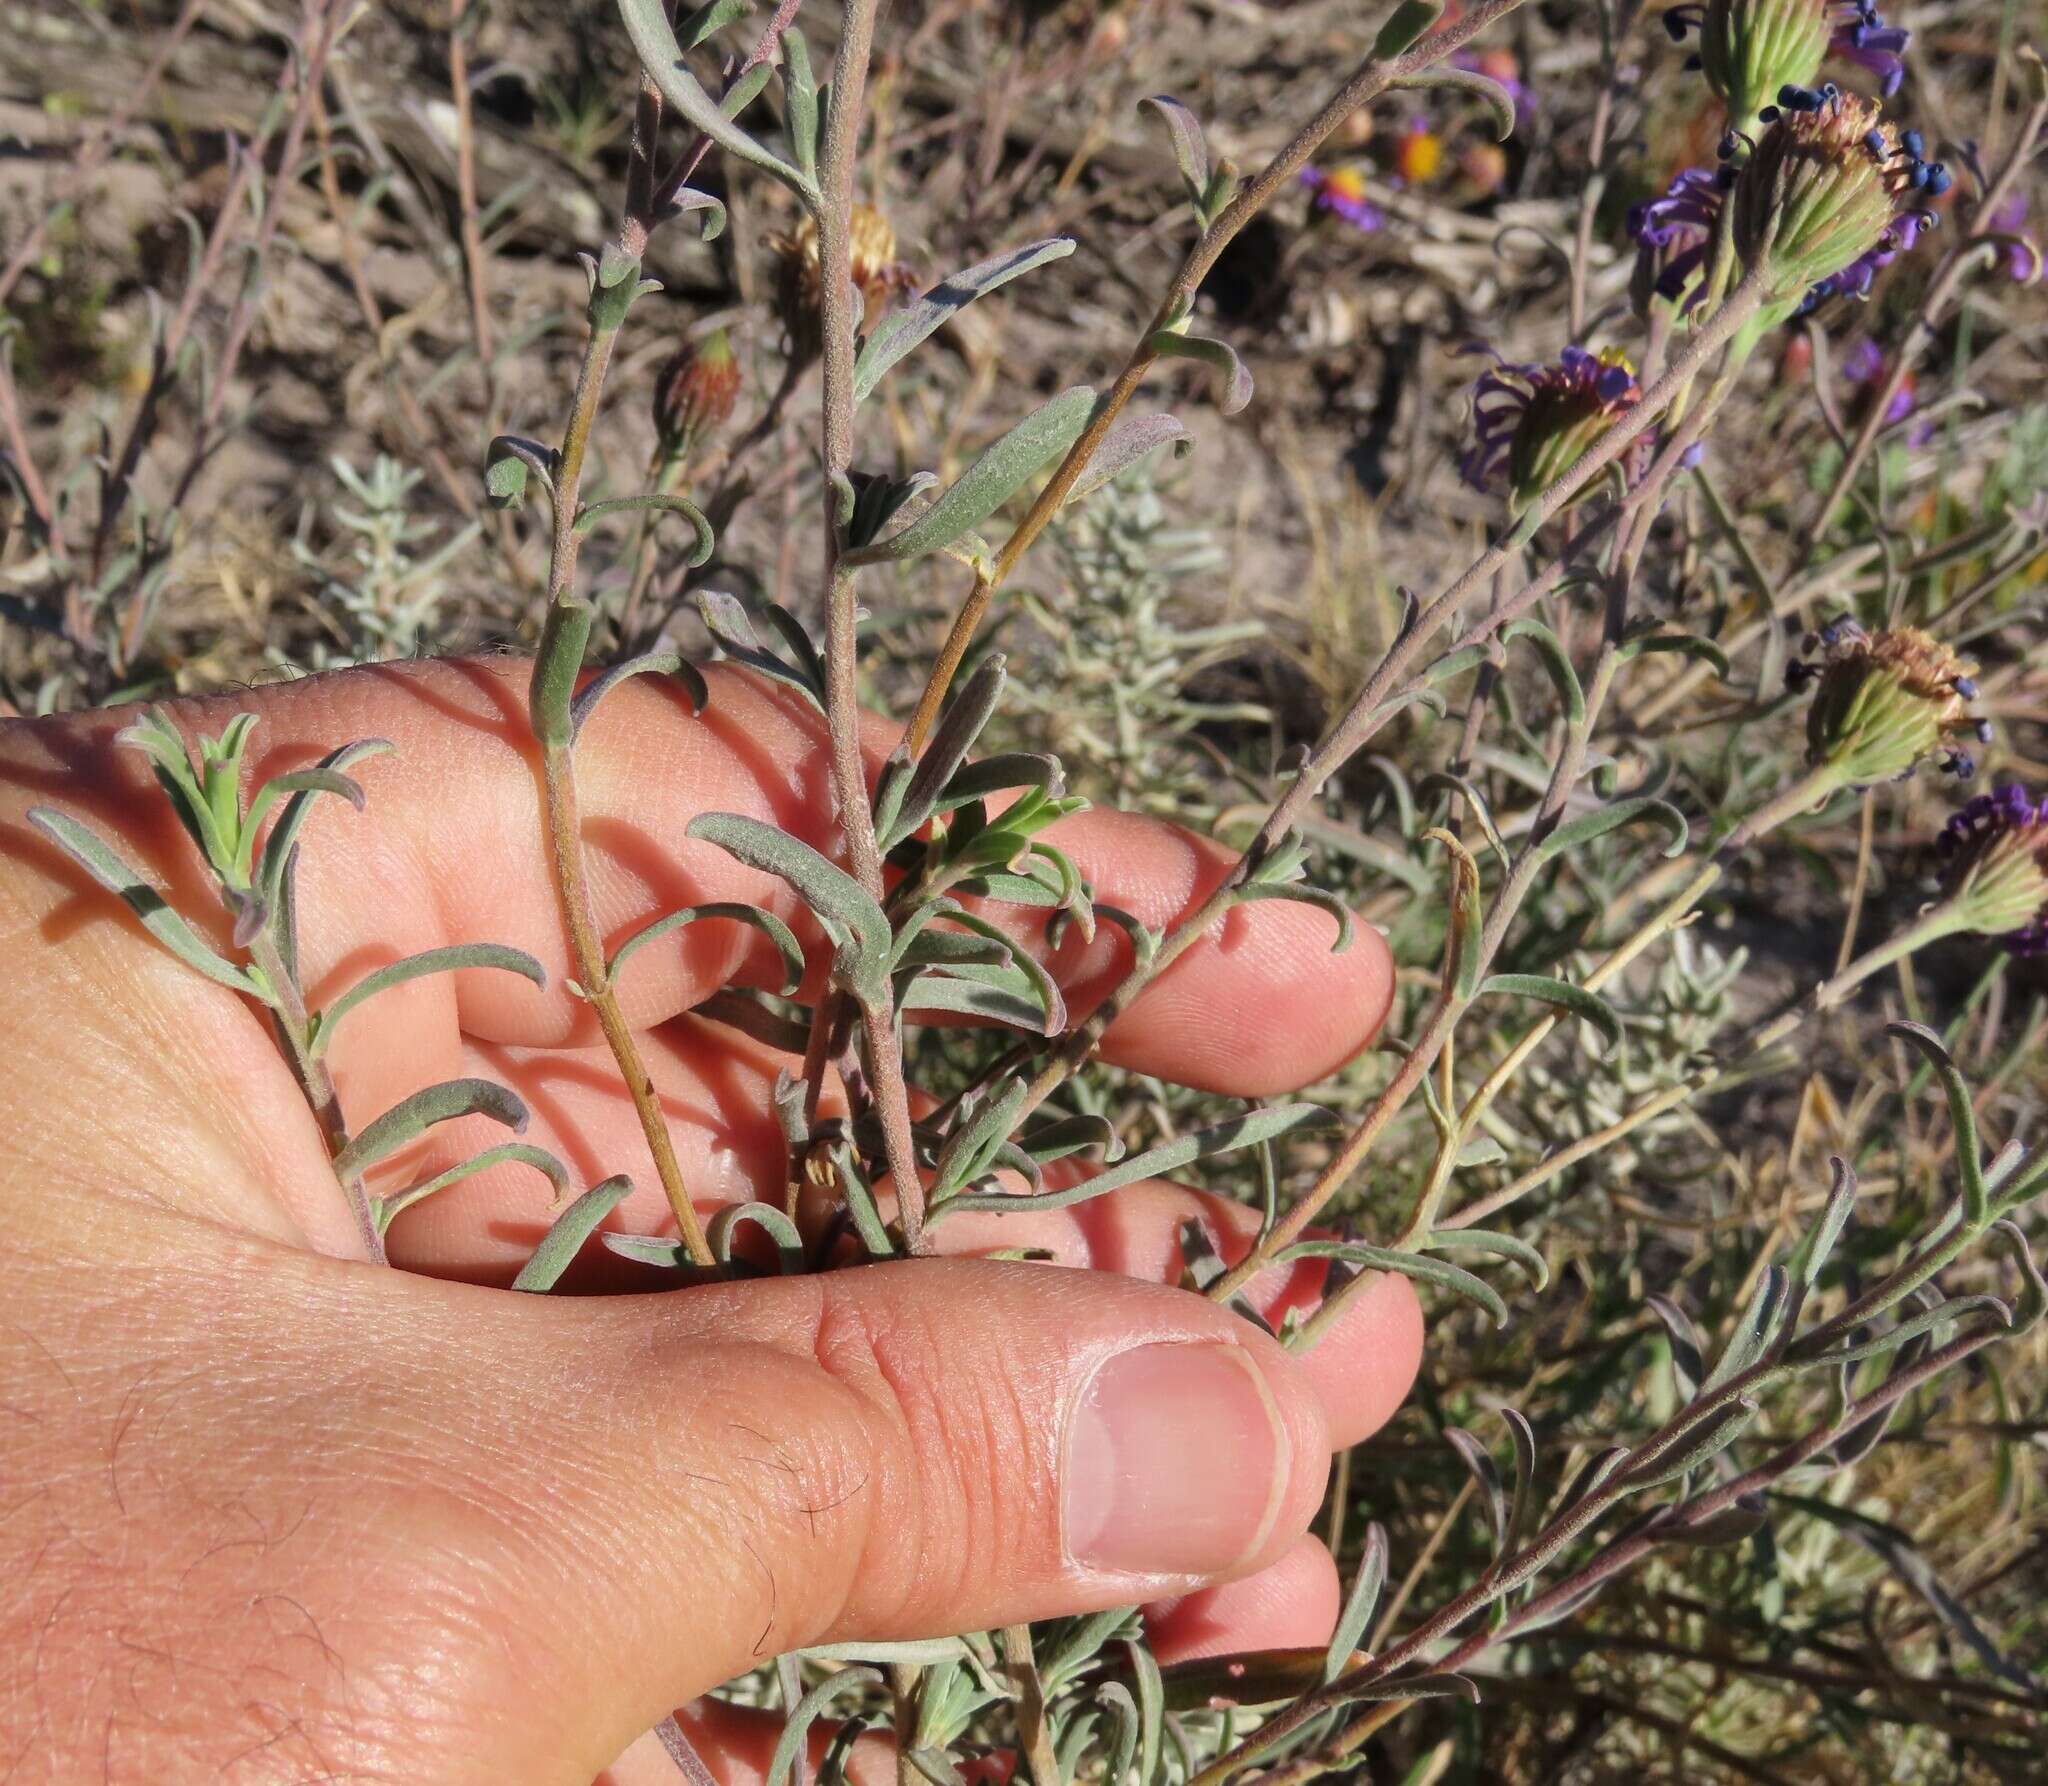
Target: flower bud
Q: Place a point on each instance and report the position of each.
(1994, 869)
(695, 393)
(1886, 702)
(1532, 423)
(800, 284)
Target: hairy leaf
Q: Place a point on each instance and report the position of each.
(1359, 1603)
(1172, 344)
(413, 1116)
(1575, 1001)
(414, 967)
(565, 1237)
(518, 1153)
(759, 917)
(1424, 1269)
(855, 923)
(648, 663)
(902, 330)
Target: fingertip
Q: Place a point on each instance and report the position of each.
(1365, 1364)
(1290, 1604)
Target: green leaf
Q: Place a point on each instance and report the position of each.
(411, 1118)
(856, 924)
(1952, 1309)
(648, 663)
(724, 1228)
(414, 967)
(662, 57)
(966, 714)
(1359, 1604)
(284, 835)
(1405, 24)
(800, 92)
(515, 1152)
(762, 920)
(1574, 832)
(1171, 344)
(1483, 1240)
(1812, 1254)
(1686, 644)
(726, 620)
(1190, 145)
(928, 993)
(1753, 1332)
(1224, 1137)
(998, 774)
(1575, 1001)
(1002, 470)
(698, 27)
(1492, 93)
(1696, 1445)
(1127, 444)
(1962, 1115)
(1557, 661)
(1438, 1272)
(796, 1731)
(557, 667)
(659, 502)
(149, 906)
(565, 1238)
(1303, 894)
(896, 334)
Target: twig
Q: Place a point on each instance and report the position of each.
(475, 265)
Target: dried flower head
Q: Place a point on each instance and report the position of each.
(1827, 186)
(1886, 702)
(1750, 49)
(1341, 192)
(799, 283)
(1671, 235)
(695, 393)
(1994, 868)
(1531, 423)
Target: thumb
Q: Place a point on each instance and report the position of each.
(710, 1478)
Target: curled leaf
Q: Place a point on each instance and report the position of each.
(448, 960)
(1575, 1001)
(413, 1116)
(1237, 380)
(519, 1153)
(565, 1237)
(759, 917)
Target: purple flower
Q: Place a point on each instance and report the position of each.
(1866, 40)
(1992, 867)
(2022, 254)
(1855, 280)
(1531, 423)
(1671, 235)
(1341, 192)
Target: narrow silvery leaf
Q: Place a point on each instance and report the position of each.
(998, 774)
(284, 834)
(1064, 1136)
(1753, 1332)
(1129, 443)
(2032, 1302)
(1730, 1526)
(414, 967)
(646, 1249)
(1931, 1321)
(1190, 146)
(698, 26)
(1688, 1350)
(1523, 1437)
(1300, 893)
(929, 993)
(1002, 470)
(648, 663)
(1237, 380)
(1415, 1686)
(662, 57)
(803, 652)
(1557, 661)
(1693, 1445)
(420, 1112)
(800, 90)
(148, 905)
(852, 919)
(1124, 1740)
(1492, 93)
(1359, 1604)
(1484, 1240)
(742, 1010)
(980, 1131)
(1572, 834)
(726, 620)
(902, 330)
(687, 199)
(1962, 1114)
(1686, 644)
(1224, 1137)
(1819, 1244)
(1574, 1001)
(948, 948)
(1486, 1474)
(1151, 1696)
(1405, 24)
(1043, 986)
(518, 1153)
(759, 917)
(726, 1226)
(1439, 1272)
(1594, 1475)
(796, 1732)
(966, 714)
(565, 1238)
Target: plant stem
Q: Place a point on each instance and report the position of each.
(1370, 79)
(295, 1028)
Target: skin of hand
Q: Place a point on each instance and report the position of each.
(270, 1513)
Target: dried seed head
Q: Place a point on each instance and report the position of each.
(1827, 186)
(1994, 869)
(799, 282)
(695, 393)
(1886, 702)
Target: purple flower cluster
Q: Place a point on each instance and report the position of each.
(1341, 192)
(1865, 39)
(2004, 818)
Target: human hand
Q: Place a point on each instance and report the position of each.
(268, 1512)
